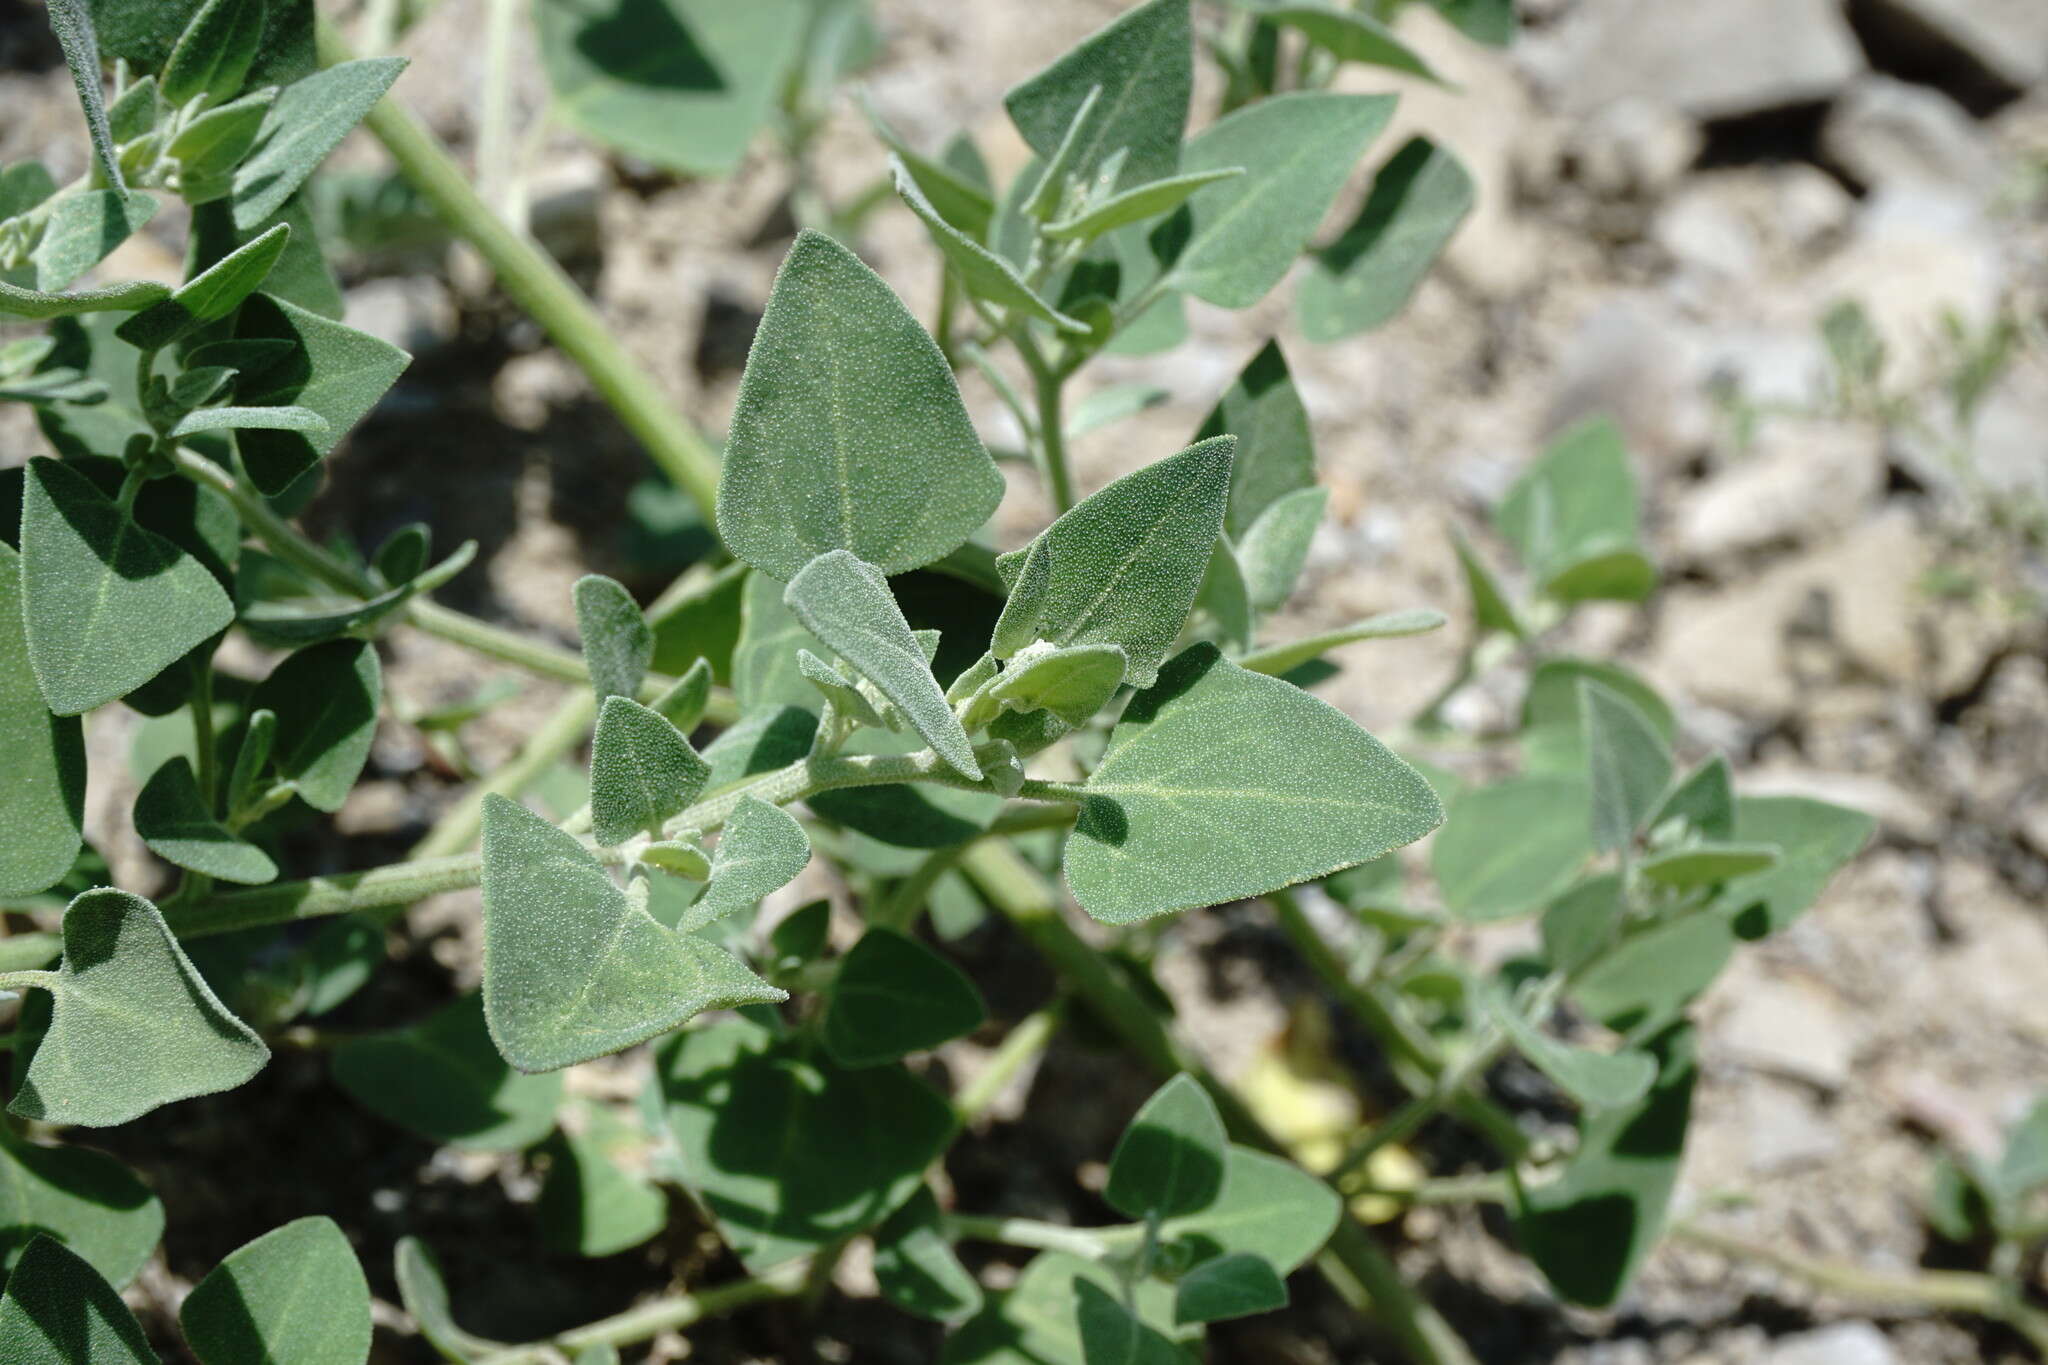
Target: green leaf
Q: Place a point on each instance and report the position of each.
(774, 737)
(1554, 724)
(1112, 1335)
(1510, 846)
(132, 1024)
(2023, 1165)
(83, 230)
(618, 644)
(108, 605)
(915, 1267)
(687, 698)
(209, 297)
(1363, 279)
(642, 771)
(1269, 1208)
(960, 201)
(1113, 404)
(332, 370)
(215, 52)
(296, 1293)
(1646, 981)
(1282, 659)
(1170, 1159)
(1189, 807)
(573, 967)
(761, 850)
(1597, 1080)
(893, 996)
(1038, 1321)
(442, 1078)
(1135, 205)
(58, 1311)
(1707, 864)
(1225, 596)
(1704, 801)
(848, 433)
(981, 272)
(1573, 518)
(1072, 683)
(1123, 565)
(681, 83)
(905, 814)
(71, 20)
(1631, 766)
(172, 818)
(1297, 150)
(424, 1293)
(841, 691)
(1492, 607)
(115, 298)
(42, 803)
(1347, 36)
(1590, 1228)
(306, 621)
(1237, 1285)
(308, 120)
(846, 604)
(300, 421)
(1815, 840)
(1581, 922)
(325, 699)
(764, 667)
(213, 144)
(85, 1199)
(1276, 455)
(591, 1205)
(1274, 550)
(788, 1151)
(1483, 21)
(1143, 64)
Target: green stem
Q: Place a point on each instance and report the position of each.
(1027, 1232)
(667, 1314)
(1019, 1048)
(460, 824)
(545, 291)
(1051, 444)
(201, 706)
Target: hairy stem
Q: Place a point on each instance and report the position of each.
(1051, 444)
(1027, 1232)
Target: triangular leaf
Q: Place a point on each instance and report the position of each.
(642, 771)
(331, 370)
(208, 297)
(173, 820)
(1597, 1080)
(1276, 455)
(1112, 1335)
(42, 802)
(1143, 65)
(915, 1267)
(1169, 1160)
(58, 1311)
(1631, 766)
(85, 1199)
(325, 699)
(1236, 1285)
(984, 275)
(296, 1293)
(1364, 278)
(894, 996)
(308, 120)
(761, 850)
(1274, 550)
(591, 1204)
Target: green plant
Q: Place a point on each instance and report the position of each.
(1105, 700)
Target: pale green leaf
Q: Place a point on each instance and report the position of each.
(893, 996)
(915, 1267)
(1553, 723)
(1280, 659)
(132, 1024)
(841, 691)
(591, 1203)
(42, 803)
(1113, 404)
(1348, 36)
(1511, 845)
(1143, 66)
(959, 200)
(1274, 550)
(678, 858)
(1573, 517)
(1492, 607)
(1363, 279)
(83, 230)
(1597, 1080)
(982, 273)
(1276, 455)
(684, 703)
(72, 22)
(308, 120)
(1122, 566)
(1815, 840)
(208, 297)
(58, 1311)
(1169, 1160)
(299, 421)
(1072, 683)
(1630, 764)
(1707, 864)
(108, 605)
(172, 818)
(1194, 803)
(211, 145)
(765, 673)
(1581, 922)
(1226, 596)
(1645, 981)
(573, 967)
(618, 644)
(761, 849)
(214, 53)
(849, 433)
(1236, 1285)
(846, 603)
(331, 369)
(1269, 1208)
(1135, 205)
(443, 1079)
(642, 771)
(296, 1293)
(1704, 801)
(115, 298)
(85, 1199)
(325, 699)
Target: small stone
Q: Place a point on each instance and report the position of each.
(2033, 825)
(1790, 1028)
(1801, 479)
(1844, 1343)
(1704, 232)
(562, 206)
(415, 313)
(1726, 649)
(1785, 1129)
(373, 808)
(1887, 132)
(1635, 146)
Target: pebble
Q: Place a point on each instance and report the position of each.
(1843, 1343)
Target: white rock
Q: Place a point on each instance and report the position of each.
(1790, 1028)
(1784, 1128)
(1844, 1343)
(1803, 478)
(1726, 649)
(2007, 38)
(1634, 146)
(1888, 132)
(415, 313)
(1704, 232)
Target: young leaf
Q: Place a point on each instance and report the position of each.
(16, 302)
(687, 698)
(1123, 565)
(83, 230)
(1276, 455)
(332, 370)
(1573, 518)
(208, 297)
(299, 421)
(307, 121)
(849, 432)
(762, 849)
(1297, 150)
(214, 53)
(85, 1199)
(173, 820)
(765, 672)
(325, 699)
(894, 996)
(1704, 801)
(841, 691)
(1492, 607)
(1220, 784)
(915, 1267)
(1143, 65)
(58, 1311)
(1282, 659)
(573, 968)
(42, 803)
(210, 146)
(1347, 36)
(642, 771)
(1360, 281)
(71, 20)
(1170, 1159)
(1135, 205)
(1237, 1285)
(442, 1078)
(590, 1205)
(846, 604)
(296, 1293)
(1512, 845)
(1597, 1080)
(960, 200)
(1554, 724)
(982, 273)
(681, 83)
(1072, 683)
(1589, 1229)
(1275, 548)
(1581, 922)
(132, 1024)
(1631, 766)
(787, 1150)
(1269, 1208)
(1112, 1335)
(618, 644)
(1707, 864)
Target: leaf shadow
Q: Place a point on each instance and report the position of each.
(642, 42)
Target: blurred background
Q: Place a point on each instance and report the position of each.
(1794, 247)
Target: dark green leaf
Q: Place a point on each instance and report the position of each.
(1190, 807)
(296, 1293)
(618, 644)
(1276, 455)
(1270, 1208)
(215, 52)
(915, 1267)
(687, 698)
(1510, 846)
(1483, 21)
(591, 1205)
(1590, 1228)
(85, 1199)
(71, 20)
(1704, 801)
(325, 699)
(773, 737)
(642, 771)
(209, 297)
(307, 121)
(332, 370)
(1360, 281)
(172, 818)
(305, 621)
(761, 849)
(906, 814)
(58, 1311)
(894, 996)
(1112, 1335)
(1038, 1321)
(444, 1080)
(108, 605)
(788, 1151)
(1143, 65)
(1122, 567)
(132, 1025)
(981, 272)
(1236, 1285)
(1597, 1080)
(573, 967)
(1169, 1160)
(42, 802)
(424, 1293)
(1631, 766)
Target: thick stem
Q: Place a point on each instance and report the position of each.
(545, 291)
